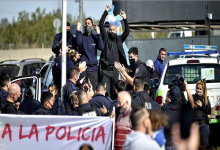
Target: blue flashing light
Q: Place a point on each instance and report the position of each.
(199, 47)
(191, 53)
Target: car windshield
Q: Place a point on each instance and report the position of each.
(11, 70)
(193, 73)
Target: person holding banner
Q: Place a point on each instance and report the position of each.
(46, 104)
(113, 51)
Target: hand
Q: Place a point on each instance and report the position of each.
(112, 114)
(195, 106)
(17, 105)
(185, 144)
(107, 8)
(199, 103)
(186, 84)
(97, 29)
(78, 26)
(82, 66)
(122, 14)
(119, 67)
(103, 110)
(60, 42)
(81, 81)
(90, 85)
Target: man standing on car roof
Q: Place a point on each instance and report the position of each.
(88, 44)
(58, 40)
(113, 51)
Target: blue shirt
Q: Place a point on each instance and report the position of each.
(58, 106)
(3, 97)
(88, 45)
(29, 105)
(138, 100)
(68, 89)
(159, 66)
(43, 111)
(100, 100)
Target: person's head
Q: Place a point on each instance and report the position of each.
(100, 89)
(150, 63)
(138, 84)
(67, 26)
(168, 100)
(88, 25)
(74, 74)
(158, 119)
(47, 100)
(162, 54)
(201, 89)
(5, 80)
(140, 119)
(175, 93)
(147, 89)
(28, 92)
(14, 92)
(119, 86)
(53, 89)
(86, 147)
(124, 101)
(133, 55)
(74, 98)
(82, 97)
(112, 29)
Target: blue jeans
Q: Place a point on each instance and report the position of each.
(204, 134)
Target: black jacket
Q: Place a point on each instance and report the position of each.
(119, 40)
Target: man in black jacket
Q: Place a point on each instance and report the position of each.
(113, 51)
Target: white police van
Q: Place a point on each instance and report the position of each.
(192, 66)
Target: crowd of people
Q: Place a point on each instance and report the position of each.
(111, 88)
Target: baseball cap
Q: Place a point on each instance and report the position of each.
(150, 63)
(175, 93)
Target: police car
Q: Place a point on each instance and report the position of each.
(195, 63)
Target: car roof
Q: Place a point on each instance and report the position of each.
(24, 61)
(180, 61)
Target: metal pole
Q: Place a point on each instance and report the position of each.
(63, 79)
(207, 21)
(81, 13)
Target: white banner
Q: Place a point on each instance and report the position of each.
(32, 132)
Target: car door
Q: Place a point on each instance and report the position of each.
(46, 76)
(33, 81)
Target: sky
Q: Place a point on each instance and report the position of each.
(10, 8)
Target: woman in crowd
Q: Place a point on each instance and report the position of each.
(58, 106)
(202, 108)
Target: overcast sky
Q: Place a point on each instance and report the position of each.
(10, 9)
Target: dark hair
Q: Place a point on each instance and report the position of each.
(146, 87)
(137, 114)
(67, 24)
(89, 19)
(133, 50)
(86, 147)
(4, 78)
(100, 87)
(138, 83)
(162, 49)
(73, 72)
(45, 96)
(120, 85)
(28, 92)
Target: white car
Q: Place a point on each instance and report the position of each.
(193, 70)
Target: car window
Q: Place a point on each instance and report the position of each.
(49, 79)
(11, 70)
(33, 67)
(193, 73)
(43, 74)
(26, 70)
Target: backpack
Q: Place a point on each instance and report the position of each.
(56, 71)
(90, 112)
(146, 101)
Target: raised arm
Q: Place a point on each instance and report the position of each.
(100, 44)
(79, 38)
(126, 32)
(101, 23)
